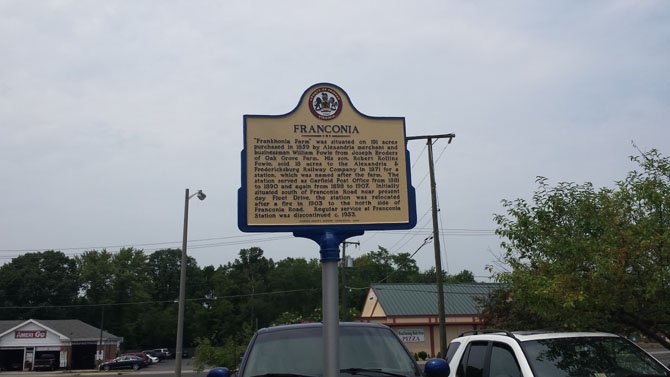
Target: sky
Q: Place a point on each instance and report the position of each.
(110, 110)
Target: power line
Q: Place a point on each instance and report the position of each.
(416, 290)
(465, 232)
(74, 251)
(425, 242)
(177, 243)
(407, 233)
(161, 301)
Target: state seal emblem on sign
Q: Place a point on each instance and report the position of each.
(325, 103)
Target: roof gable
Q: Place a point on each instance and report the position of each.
(9, 326)
(372, 307)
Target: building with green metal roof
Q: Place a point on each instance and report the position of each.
(411, 310)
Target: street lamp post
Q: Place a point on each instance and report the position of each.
(182, 285)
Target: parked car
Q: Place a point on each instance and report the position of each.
(145, 358)
(153, 354)
(549, 354)
(153, 358)
(366, 349)
(163, 353)
(122, 362)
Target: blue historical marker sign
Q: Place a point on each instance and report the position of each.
(325, 165)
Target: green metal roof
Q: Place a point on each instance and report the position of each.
(421, 299)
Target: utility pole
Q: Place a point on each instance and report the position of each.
(436, 239)
(102, 347)
(344, 285)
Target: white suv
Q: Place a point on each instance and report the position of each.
(495, 353)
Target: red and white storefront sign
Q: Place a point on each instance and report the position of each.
(30, 334)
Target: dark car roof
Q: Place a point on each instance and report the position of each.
(132, 357)
(318, 325)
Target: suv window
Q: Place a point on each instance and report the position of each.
(503, 362)
(589, 356)
(491, 359)
(472, 364)
(453, 347)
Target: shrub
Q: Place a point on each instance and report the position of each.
(207, 355)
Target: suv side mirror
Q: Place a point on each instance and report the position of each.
(436, 368)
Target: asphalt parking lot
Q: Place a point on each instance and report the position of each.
(168, 365)
(661, 355)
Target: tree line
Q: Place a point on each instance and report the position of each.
(134, 295)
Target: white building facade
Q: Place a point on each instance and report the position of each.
(72, 343)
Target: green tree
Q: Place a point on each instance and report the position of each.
(220, 319)
(405, 265)
(464, 276)
(213, 313)
(164, 273)
(251, 273)
(96, 273)
(38, 285)
(372, 267)
(382, 266)
(227, 355)
(583, 258)
(130, 293)
(296, 283)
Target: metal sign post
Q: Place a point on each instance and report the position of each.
(330, 255)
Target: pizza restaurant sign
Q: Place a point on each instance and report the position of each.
(411, 335)
(30, 334)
